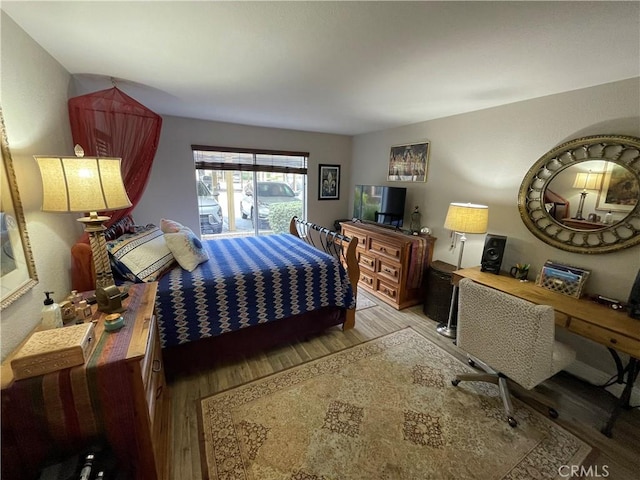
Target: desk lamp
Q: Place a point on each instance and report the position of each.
(585, 181)
(85, 184)
(462, 218)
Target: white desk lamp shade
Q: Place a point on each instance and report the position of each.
(71, 184)
(467, 218)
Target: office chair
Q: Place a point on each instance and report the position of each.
(509, 338)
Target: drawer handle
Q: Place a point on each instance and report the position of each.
(389, 270)
(159, 392)
(613, 340)
(157, 365)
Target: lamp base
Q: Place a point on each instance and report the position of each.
(445, 331)
(94, 227)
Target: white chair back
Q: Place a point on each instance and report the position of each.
(512, 336)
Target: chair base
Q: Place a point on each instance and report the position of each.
(496, 378)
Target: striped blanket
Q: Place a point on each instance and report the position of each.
(247, 281)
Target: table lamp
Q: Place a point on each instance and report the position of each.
(585, 181)
(462, 219)
(85, 184)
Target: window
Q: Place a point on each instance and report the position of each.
(226, 179)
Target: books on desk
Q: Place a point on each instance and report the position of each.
(561, 278)
(47, 351)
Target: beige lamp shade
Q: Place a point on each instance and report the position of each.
(87, 184)
(467, 218)
(587, 181)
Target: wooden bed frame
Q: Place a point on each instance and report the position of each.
(204, 353)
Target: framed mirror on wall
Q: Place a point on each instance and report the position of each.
(584, 196)
(17, 267)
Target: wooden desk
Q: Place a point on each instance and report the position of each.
(613, 329)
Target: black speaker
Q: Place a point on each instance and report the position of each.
(634, 298)
(492, 253)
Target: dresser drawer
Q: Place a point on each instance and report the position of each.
(146, 364)
(385, 249)
(386, 290)
(156, 386)
(367, 261)
(366, 279)
(391, 271)
(605, 337)
(361, 239)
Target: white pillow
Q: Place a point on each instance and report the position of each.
(146, 255)
(187, 248)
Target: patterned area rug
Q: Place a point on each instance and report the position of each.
(384, 409)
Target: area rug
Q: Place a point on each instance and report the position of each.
(364, 301)
(384, 409)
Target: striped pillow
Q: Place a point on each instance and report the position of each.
(143, 257)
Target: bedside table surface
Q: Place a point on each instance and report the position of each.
(128, 343)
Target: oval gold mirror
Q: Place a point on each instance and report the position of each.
(18, 269)
(584, 196)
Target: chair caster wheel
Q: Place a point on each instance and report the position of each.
(455, 382)
(553, 413)
(471, 363)
(512, 422)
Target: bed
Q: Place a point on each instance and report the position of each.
(251, 294)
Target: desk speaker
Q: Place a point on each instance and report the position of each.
(634, 298)
(492, 253)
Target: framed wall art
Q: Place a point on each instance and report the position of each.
(329, 182)
(409, 163)
(620, 189)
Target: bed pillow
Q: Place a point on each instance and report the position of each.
(187, 248)
(142, 257)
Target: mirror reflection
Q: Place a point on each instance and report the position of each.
(583, 196)
(592, 195)
(17, 267)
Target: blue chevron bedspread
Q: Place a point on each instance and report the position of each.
(246, 281)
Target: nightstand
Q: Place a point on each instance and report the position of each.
(438, 291)
(118, 396)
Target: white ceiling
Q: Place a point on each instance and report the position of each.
(335, 67)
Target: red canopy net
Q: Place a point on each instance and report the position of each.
(110, 123)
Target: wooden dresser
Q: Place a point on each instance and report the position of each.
(119, 396)
(392, 263)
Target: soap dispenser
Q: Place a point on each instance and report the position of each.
(51, 313)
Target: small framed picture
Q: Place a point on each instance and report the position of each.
(329, 182)
(409, 163)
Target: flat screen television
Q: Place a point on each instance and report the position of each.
(379, 204)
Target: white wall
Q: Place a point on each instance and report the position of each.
(482, 157)
(34, 104)
(171, 189)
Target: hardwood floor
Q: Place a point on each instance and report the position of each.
(583, 408)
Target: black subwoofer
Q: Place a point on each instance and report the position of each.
(634, 298)
(492, 253)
